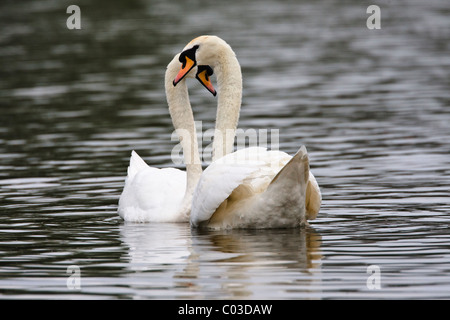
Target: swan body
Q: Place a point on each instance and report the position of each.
(258, 189)
(252, 187)
(151, 194)
(164, 195)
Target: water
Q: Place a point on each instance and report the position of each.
(372, 107)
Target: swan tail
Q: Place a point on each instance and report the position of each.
(313, 198)
(136, 164)
(296, 176)
(288, 188)
(295, 172)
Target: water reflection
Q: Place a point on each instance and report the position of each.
(152, 246)
(232, 264)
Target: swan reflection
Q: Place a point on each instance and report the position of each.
(173, 261)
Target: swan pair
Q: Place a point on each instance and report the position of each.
(249, 188)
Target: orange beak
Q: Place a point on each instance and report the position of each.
(186, 67)
(204, 79)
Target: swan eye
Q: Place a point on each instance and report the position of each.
(187, 58)
(190, 53)
(203, 74)
(208, 71)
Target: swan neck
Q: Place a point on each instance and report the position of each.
(229, 80)
(183, 121)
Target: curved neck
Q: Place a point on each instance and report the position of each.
(229, 81)
(183, 122)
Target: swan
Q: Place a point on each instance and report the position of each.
(165, 195)
(252, 187)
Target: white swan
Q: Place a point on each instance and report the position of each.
(165, 195)
(253, 187)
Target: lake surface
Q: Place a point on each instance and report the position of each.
(371, 106)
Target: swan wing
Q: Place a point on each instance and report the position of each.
(253, 166)
(215, 185)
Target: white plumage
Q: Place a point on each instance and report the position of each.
(151, 194)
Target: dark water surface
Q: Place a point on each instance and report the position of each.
(372, 107)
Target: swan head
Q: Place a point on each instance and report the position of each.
(189, 67)
(206, 52)
(201, 73)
